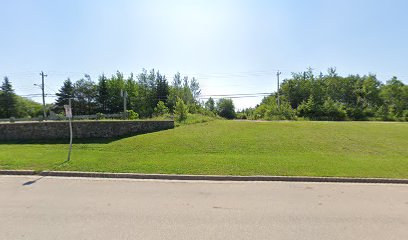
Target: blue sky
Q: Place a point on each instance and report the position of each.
(230, 46)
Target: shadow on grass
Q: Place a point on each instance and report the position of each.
(66, 141)
(62, 141)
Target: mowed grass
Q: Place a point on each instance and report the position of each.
(349, 149)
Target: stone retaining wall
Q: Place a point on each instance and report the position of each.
(81, 129)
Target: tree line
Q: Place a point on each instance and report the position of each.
(333, 97)
(146, 94)
(12, 105)
(150, 94)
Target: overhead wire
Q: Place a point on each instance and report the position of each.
(223, 75)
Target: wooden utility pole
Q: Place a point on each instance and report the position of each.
(277, 75)
(124, 94)
(68, 113)
(43, 94)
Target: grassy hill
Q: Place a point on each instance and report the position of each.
(354, 149)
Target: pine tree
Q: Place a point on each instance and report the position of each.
(103, 94)
(210, 105)
(66, 92)
(162, 88)
(181, 110)
(7, 100)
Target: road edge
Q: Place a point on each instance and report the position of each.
(203, 177)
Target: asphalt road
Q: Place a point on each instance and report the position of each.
(75, 208)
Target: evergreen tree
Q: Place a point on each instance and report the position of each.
(132, 89)
(187, 95)
(103, 94)
(147, 92)
(66, 92)
(8, 100)
(162, 88)
(174, 91)
(210, 105)
(195, 89)
(180, 110)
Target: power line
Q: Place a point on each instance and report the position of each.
(50, 89)
(260, 73)
(236, 94)
(37, 95)
(233, 97)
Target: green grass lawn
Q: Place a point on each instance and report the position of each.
(352, 149)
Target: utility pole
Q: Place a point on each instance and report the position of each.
(124, 95)
(277, 75)
(43, 94)
(68, 113)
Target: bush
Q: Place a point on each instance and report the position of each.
(333, 111)
(283, 112)
(259, 112)
(384, 114)
(207, 112)
(181, 110)
(310, 109)
(132, 115)
(161, 109)
(241, 115)
(246, 113)
(193, 108)
(330, 110)
(196, 118)
(404, 115)
(100, 116)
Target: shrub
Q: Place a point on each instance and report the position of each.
(384, 114)
(207, 112)
(310, 109)
(132, 115)
(259, 112)
(333, 111)
(282, 112)
(242, 115)
(161, 109)
(405, 115)
(100, 116)
(329, 110)
(181, 110)
(193, 108)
